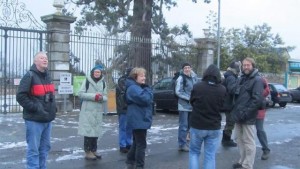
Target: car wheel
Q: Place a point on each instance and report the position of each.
(283, 104)
(292, 99)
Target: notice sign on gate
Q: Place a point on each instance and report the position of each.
(65, 79)
(65, 86)
(65, 89)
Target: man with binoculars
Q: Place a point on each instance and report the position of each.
(36, 96)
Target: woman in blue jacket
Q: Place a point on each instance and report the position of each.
(139, 98)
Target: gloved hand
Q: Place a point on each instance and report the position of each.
(98, 97)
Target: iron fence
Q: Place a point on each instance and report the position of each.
(113, 52)
(18, 47)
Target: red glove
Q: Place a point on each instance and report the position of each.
(98, 97)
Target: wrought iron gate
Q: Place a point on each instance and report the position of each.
(18, 47)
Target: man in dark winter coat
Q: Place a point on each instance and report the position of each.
(230, 78)
(248, 101)
(125, 133)
(36, 96)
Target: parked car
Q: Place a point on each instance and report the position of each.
(295, 93)
(164, 95)
(279, 94)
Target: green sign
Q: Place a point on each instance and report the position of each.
(77, 81)
(295, 66)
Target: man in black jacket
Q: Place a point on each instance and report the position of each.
(248, 101)
(230, 79)
(36, 96)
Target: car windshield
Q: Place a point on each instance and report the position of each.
(164, 84)
(280, 88)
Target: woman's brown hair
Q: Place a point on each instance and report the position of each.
(136, 71)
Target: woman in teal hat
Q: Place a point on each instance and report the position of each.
(93, 96)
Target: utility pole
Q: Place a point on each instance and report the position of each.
(218, 34)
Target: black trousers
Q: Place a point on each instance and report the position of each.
(229, 126)
(90, 144)
(136, 154)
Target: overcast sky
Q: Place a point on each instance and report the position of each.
(282, 16)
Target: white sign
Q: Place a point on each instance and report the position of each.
(65, 79)
(17, 82)
(65, 89)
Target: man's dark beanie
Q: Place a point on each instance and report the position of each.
(232, 65)
(128, 70)
(185, 64)
(235, 66)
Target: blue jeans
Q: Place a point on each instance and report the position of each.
(38, 144)
(125, 134)
(211, 139)
(183, 127)
(261, 135)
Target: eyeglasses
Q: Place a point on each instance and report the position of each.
(247, 65)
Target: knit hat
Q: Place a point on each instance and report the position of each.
(185, 64)
(128, 70)
(97, 67)
(235, 66)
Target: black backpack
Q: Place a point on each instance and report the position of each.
(175, 77)
(121, 93)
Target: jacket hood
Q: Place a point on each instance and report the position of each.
(130, 81)
(252, 74)
(92, 80)
(212, 73)
(229, 73)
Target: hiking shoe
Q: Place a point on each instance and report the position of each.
(265, 155)
(237, 165)
(98, 156)
(90, 156)
(123, 150)
(184, 148)
(228, 143)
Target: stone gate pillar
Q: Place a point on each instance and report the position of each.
(206, 49)
(58, 49)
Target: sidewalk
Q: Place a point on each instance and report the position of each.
(161, 152)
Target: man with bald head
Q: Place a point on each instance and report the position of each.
(36, 96)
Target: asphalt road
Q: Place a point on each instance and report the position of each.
(282, 126)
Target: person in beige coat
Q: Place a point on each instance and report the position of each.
(93, 95)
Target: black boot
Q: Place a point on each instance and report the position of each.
(227, 141)
(265, 155)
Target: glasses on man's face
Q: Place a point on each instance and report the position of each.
(247, 65)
